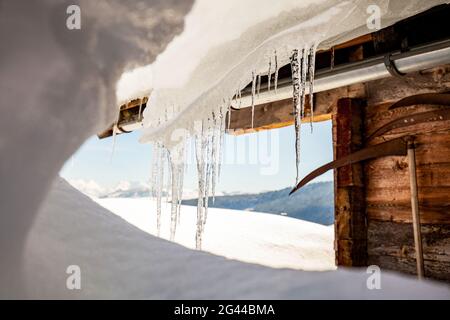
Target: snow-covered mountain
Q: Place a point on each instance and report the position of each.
(314, 202)
(123, 189)
(127, 189)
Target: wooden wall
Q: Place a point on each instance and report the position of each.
(390, 242)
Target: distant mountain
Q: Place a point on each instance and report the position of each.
(314, 202)
(124, 189)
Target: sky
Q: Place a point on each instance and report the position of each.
(251, 163)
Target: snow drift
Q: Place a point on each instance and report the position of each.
(58, 87)
(118, 260)
(254, 237)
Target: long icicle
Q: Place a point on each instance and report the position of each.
(174, 195)
(303, 73)
(155, 169)
(276, 72)
(176, 157)
(253, 96)
(161, 158)
(259, 85)
(295, 66)
(229, 117)
(311, 67)
(200, 155)
(214, 143)
(208, 160)
(221, 141)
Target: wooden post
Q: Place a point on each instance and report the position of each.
(350, 214)
(415, 209)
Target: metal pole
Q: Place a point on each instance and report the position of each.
(415, 208)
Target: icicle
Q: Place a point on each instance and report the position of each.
(311, 67)
(304, 61)
(160, 188)
(155, 170)
(180, 190)
(208, 161)
(221, 142)
(169, 176)
(269, 72)
(253, 96)
(174, 197)
(295, 66)
(229, 117)
(214, 156)
(276, 72)
(176, 163)
(259, 84)
(200, 143)
(113, 146)
(140, 110)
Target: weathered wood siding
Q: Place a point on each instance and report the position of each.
(349, 209)
(390, 242)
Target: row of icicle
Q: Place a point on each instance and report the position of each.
(208, 152)
(209, 141)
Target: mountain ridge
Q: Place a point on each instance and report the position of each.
(314, 202)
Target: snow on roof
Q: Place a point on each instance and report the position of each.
(225, 41)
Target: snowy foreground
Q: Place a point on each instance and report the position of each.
(117, 260)
(262, 238)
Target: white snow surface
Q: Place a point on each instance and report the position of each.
(223, 42)
(254, 237)
(58, 88)
(117, 260)
(65, 81)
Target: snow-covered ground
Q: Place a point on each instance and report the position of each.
(75, 98)
(117, 260)
(254, 237)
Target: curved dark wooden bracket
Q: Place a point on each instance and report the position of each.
(395, 147)
(429, 116)
(438, 99)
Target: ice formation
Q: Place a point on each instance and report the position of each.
(191, 91)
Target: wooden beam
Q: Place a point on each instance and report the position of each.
(267, 116)
(350, 216)
(279, 114)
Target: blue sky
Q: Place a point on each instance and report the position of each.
(248, 172)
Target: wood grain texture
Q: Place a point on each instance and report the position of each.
(390, 245)
(390, 241)
(350, 219)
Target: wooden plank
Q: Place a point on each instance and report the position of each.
(389, 216)
(267, 116)
(399, 213)
(391, 246)
(355, 42)
(350, 218)
(280, 113)
(387, 183)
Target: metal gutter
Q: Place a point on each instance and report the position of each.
(417, 59)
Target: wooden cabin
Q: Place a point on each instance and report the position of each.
(373, 219)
